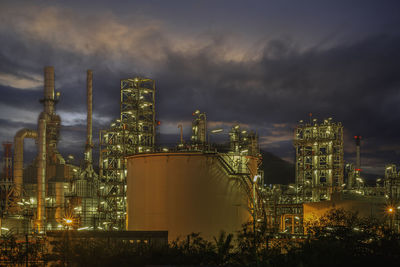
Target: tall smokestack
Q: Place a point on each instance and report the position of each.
(89, 144)
(357, 139)
(48, 90)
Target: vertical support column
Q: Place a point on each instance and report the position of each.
(41, 176)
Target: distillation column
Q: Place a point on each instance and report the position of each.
(19, 158)
(41, 176)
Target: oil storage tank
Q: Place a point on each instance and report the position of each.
(184, 192)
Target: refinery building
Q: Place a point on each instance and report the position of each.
(194, 186)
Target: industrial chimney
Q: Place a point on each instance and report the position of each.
(357, 139)
(89, 143)
(49, 90)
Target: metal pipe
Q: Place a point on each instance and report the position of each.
(49, 90)
(59, 188)
(19, 157)
(89, 143)
(41, 175)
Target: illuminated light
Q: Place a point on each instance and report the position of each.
(390, 210)
(217, 130)
(83, 228)
(68, 220)
(4, 228)
(256, 177)
(20, 203)
(101, 187)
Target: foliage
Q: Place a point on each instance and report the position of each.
(337, 238)
(341, 237)
(13, 251)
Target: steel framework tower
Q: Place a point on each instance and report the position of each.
(6, 180)
(132, 133)
(319, 159)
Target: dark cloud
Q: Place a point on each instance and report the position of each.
(269, 82)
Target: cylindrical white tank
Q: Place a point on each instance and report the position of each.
(183, 193)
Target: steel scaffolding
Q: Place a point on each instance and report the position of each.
(132, 133)
(319, 159)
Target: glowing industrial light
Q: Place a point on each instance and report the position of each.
(256, 177)
(5, 229)
(83, 228)
(390, 210)
(68, 221)
(217, 131)
(101, 187)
